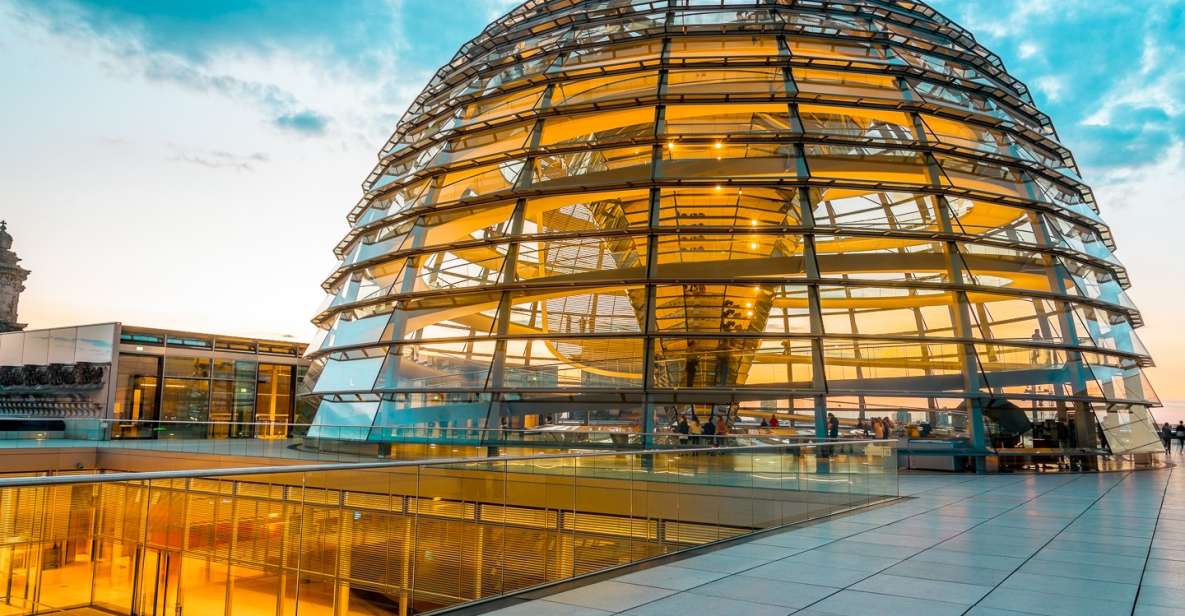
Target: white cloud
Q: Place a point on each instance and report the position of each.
(1051, 86)
(1028, 49)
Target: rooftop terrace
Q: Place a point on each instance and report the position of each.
(1056, 545)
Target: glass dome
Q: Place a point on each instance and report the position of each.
(615, 212)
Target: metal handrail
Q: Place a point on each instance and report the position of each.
(444, 429)
(345, 466)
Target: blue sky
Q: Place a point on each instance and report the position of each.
(200, 156)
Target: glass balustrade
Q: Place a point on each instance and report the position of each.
(399, 537)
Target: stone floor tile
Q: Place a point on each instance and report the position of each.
(671, 577)
(951, 592)
(611, 596)
(856, 603)
(685, 604)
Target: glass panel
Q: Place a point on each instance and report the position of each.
(857, 123)
(845, 85)
(868, 365)
(348, 375)
(742, 83)
(729, 362)
(344, 420)
(725, 161)
(576, 362)
(726, 120)
(711, 49)
(188, 367)
(602, 128)
(867, 164)
(495, 107)
(573, 260)
(186, 400)
(486, 145)
(604, 89)
(752, 255)
(477, 182)
(579, 311)
(446, 365)
(603, 211)
(874, 209)
(737, 207)
(273, 400)
(135, 393)
(596, 57)
(591, 168)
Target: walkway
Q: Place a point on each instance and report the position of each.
(996, 545)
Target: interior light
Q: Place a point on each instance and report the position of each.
(718, 145)
(717, 187)
(753, 222)
(748, 313)
(753, 245)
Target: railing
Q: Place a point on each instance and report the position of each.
(346, 443)
(400, 537)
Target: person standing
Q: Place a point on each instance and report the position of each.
(683, 428)
(773, 420)
(832, 426)
(709, 430)
(697, 430)
(1166, 436)
(1180, 433)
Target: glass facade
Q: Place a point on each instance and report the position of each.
(176, 385)
(627, 211)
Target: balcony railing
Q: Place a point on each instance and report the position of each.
(400, 537)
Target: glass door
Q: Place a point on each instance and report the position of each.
(156, 583)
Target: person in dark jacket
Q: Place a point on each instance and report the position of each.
(709, 430)
(1166, 436)
(1180, 433)
(832, 426)
(683, 428)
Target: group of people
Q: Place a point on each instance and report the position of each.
(876, 427)
(693, 430)
(1168, 433)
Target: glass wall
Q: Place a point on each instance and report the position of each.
(400, 538)
(186, 395)
(137, 395)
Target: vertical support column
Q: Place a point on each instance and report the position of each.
(961, 311)
(960, 304)
(806, 216)
(649, 321)
(496, 378)
(814, 305)
(1084, 421)
(649, 325)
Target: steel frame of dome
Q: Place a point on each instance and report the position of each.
(630, 208)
